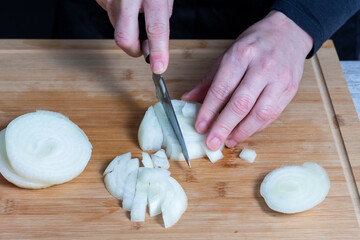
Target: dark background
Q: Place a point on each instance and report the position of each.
(84, 19)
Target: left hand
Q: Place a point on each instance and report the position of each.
(252, 82)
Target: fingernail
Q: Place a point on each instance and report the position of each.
(158, 67)
(201, 127)
(214, 143)
(231, 143)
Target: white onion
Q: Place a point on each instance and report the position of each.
(138, 208)
(129, 191)
(213, 155)
(293, 189)
(44, 148)
(172, 212)
(147, 161)
(150, 175)
(9, 173)
(186, 114)
(150, 135)
(248, 155)
(156, 195)
(160, 159)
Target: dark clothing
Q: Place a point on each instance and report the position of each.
(192, 19)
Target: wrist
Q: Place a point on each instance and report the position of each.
(280, 20)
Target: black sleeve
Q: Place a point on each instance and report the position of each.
(319, 18)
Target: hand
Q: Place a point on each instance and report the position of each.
(123, 16)
(252, 82)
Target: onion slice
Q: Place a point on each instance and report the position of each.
(293, 189)
(43, 148)
(150, 135)
(146, 160)
(160, 159)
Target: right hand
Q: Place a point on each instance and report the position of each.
(123, 16)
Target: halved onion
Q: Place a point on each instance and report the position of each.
(43, 148)
(186, 114)
(293, 189)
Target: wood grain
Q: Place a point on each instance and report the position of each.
(106, 93)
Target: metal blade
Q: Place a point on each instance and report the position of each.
(162, 95)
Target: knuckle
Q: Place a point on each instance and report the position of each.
(241, 104)
(265, 114)
(292, 88)
(156, 29)
(244, 51)
(220, 92)
(122, 40)
(268, 65)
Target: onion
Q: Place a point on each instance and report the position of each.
(140, 187)
(172, 212)
(150, 134)
(186, 114)
(293, 189)
(129, 191)
(248, 155)
(160, 159)
(43, 148)
(147, 161)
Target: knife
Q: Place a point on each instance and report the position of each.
(162, 93)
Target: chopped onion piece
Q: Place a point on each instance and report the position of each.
(150, 175)
(129, 191)
(138, 208)
(173, 211)
(248, 155)
(213, 155)
(156, 195)
(293, 189)
(160, 159)
(147, 161)
(150, 134)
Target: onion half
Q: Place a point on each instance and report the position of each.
(186, 113)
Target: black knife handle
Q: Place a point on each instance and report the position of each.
(144, 42)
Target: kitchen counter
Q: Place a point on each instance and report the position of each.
(352, 75)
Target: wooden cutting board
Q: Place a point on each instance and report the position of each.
(106, 93)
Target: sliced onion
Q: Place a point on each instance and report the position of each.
(129, 191)
(156, 195)
(150, 175)
(293, 189)
(138, 208)
(44, 148)
(146, 160)
(9, 173)
(248, 155)
(150, 135)
(160, 159)
(190, 109)
(173, 211)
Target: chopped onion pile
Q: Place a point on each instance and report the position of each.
(41, 149)
(248, 155)
(155, 132)
(151, 185)
(293, 189)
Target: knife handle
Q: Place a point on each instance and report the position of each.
(144, 42)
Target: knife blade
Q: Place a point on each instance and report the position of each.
(162, 93)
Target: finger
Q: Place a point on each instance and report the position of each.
(198, 93)
(284, 100)
(157, 28)
(239, 105)
(170, 5)
(127, 29)
(265, 110)
(227, 78)
(102, 4)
